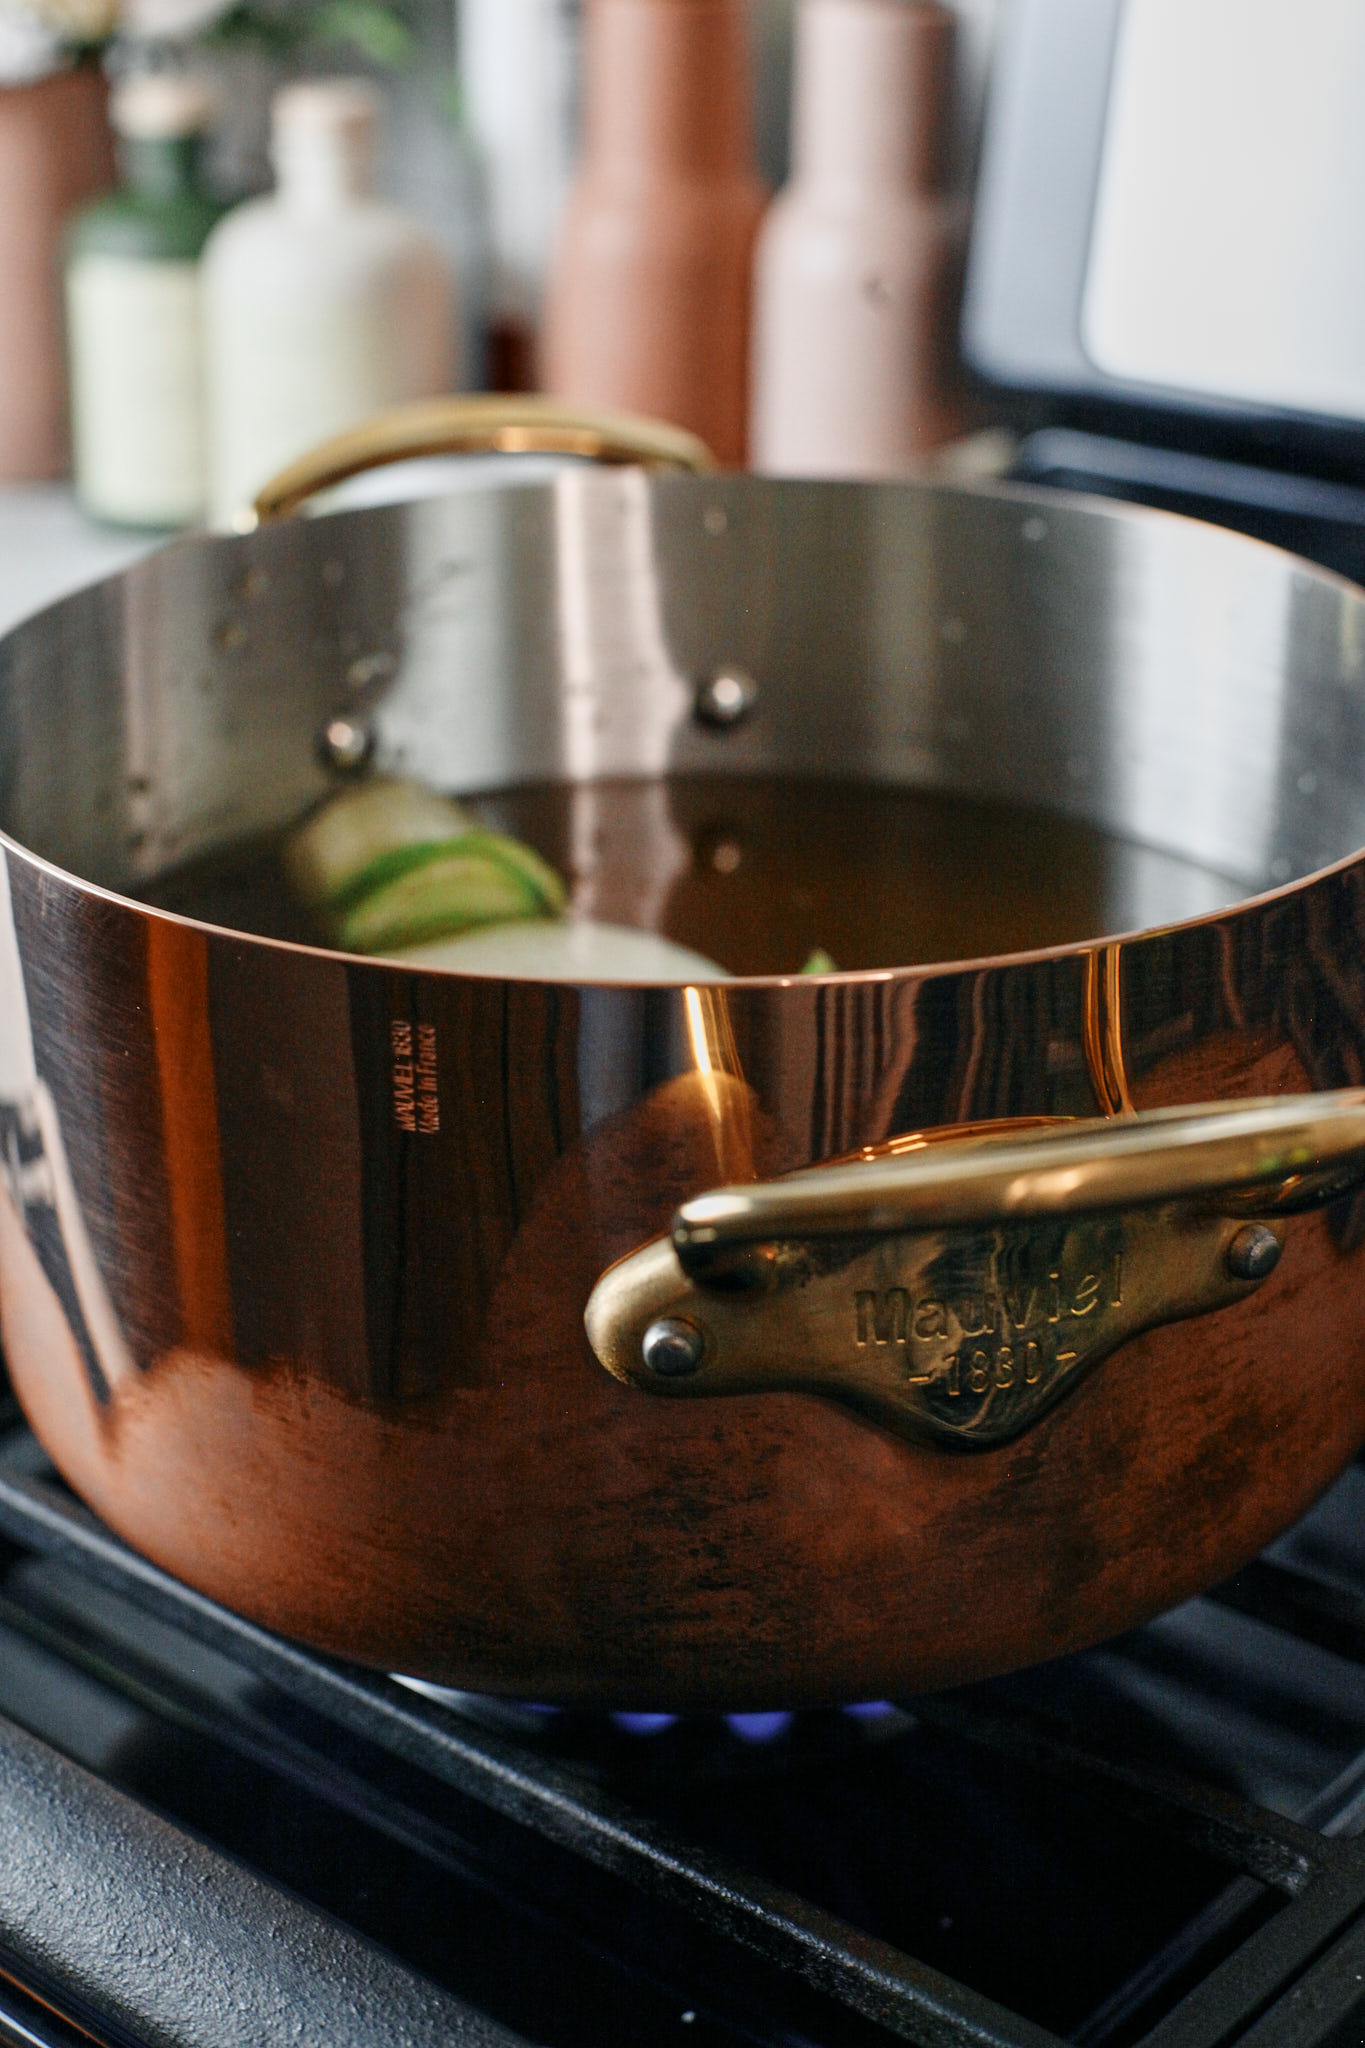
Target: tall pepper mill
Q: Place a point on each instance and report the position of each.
(856, 287)
(648, 303)
(56, 151)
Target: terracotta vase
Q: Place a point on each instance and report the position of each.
(56, 151)
(648, 303)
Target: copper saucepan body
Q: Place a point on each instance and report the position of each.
(521, 1335)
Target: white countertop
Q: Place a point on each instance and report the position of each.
(48, 547)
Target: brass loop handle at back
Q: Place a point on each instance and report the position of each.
(493, 423)
(954, 1288)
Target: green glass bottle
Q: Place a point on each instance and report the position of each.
(133, 316)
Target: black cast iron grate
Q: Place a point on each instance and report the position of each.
(633, 1923)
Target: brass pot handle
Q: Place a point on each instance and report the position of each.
(495, 422)
(955, 1288)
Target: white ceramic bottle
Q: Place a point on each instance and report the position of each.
(854, 370)
(133, 313)
(322, 304)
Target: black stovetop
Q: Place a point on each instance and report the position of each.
(219, 1838)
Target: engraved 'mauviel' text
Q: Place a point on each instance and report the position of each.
(997, 1330)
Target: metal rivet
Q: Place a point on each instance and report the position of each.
(672, 1348)
(1254, 1253)
(726, 697)
(345, 744)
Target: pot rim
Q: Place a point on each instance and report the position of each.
(843, 978)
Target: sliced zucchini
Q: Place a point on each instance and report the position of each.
(387, 863)
(358, 825)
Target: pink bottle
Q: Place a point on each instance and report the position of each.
(648, 303)
(56, 150)
(857, 267)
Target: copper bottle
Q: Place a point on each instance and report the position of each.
(55, 151)
(648, 305)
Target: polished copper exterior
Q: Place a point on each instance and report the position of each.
(295, 1248)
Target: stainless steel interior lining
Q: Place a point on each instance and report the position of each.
(1198, 695)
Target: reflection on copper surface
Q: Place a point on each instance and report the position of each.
(177, 992)
(715, 1059)
(405, 1450)
(1104, 1029)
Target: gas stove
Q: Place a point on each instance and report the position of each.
(215, 1837)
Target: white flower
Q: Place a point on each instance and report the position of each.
(169, 20)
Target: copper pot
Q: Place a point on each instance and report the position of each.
(997, 1387)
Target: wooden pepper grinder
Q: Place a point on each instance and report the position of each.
(855, 370)
(56, 150)
(648, 303)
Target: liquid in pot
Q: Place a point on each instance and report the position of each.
(759, 873)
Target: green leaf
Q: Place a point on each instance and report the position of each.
(819, 963)
(276, 34)
(370, 28)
